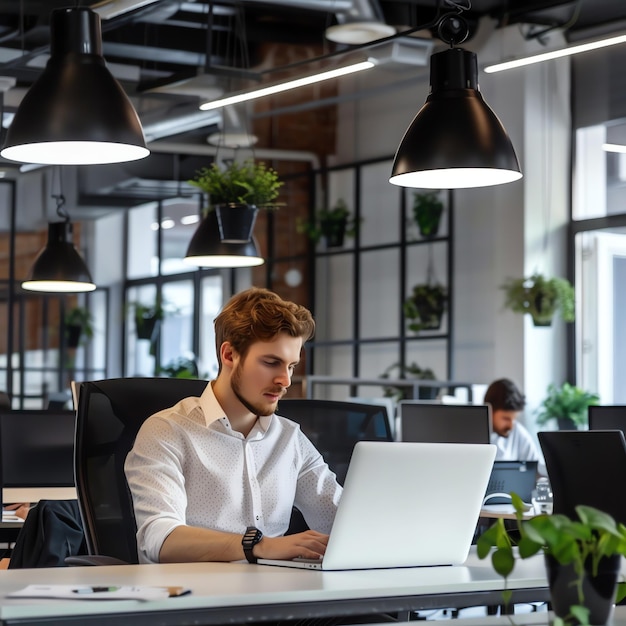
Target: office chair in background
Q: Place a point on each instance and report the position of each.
(109, 414)
(586, 467)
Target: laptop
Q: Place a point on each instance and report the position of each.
(444, 423)
(405, 505)
(508, 476)
(602, 417)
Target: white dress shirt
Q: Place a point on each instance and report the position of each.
(188, 467)
(518, 446)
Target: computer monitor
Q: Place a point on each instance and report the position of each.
(37, 448)
(607, 417)
(444, 423)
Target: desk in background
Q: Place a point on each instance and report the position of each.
(230, 593)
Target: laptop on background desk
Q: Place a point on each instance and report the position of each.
(508, 476)
(405, 505)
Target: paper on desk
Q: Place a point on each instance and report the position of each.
(98, 592)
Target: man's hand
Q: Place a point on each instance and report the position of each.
(20, 509)
(309, 544)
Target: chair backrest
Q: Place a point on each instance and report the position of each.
(109, 414)
(602, 417)
(586, 467)
(334, 427)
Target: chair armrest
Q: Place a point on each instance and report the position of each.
(93, 559)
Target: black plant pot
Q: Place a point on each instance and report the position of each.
(236, 222)
(598, 591)
(566, 423)
(147, 327)
(72, 335)
(334, 232)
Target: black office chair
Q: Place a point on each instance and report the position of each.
(109, 414)
(334, 427)
(586, 467)
(603, 417)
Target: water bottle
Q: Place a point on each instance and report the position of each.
(542, 497)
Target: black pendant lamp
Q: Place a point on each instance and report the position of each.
(206, 249)
(76, 113)
(455, 140)
(59, 268)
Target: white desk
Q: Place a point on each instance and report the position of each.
(230, 593)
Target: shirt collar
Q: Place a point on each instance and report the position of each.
(213, 411)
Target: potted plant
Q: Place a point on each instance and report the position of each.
(147, 319)
(236, 193)
(567, 404)
(78, 323)
(425, 306)
(427, 210)
(413, 371)
(583, 558)
(333, 224)
(541, 297)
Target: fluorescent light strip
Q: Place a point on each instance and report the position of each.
(613, 147)
(291, 84)
(555, 54)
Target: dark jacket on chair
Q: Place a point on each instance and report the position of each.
(52, 531)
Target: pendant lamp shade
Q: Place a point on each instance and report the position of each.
(455, 140)
(76, 113)
(206, 249)
(59, 268)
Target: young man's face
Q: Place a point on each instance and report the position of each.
(261, 379)
(503, 421)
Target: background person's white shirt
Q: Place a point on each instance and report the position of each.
(518, 446)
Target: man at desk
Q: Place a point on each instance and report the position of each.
(512, 440)
(215, 478)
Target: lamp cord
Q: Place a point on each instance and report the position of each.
(59, 197)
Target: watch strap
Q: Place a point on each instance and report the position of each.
(251, 537)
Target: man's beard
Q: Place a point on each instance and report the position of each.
(256, 409)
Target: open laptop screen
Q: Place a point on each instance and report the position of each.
(444, 423)
(37, 448)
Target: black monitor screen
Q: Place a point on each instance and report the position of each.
(444, 423)
(37, 448)
(607, 417)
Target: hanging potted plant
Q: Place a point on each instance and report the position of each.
(567, 404)
(582, 557)
(425, 307)
(413, 370)
(427, 210)
(332, 224)
(78, 323)
(148, 319)
(541, 297)
(236, 193)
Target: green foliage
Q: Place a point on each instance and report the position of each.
(541, 297)
(427, 210)
(329, 223)
(425, 306)
(241, 183)
(80, 316)
(408, 371)
(566, 401)
(593, 535)
(181, 367)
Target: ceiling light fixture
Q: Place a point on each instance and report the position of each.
(207, 250)
(59, 268)
(290, 84)
(455, 141)
(76, 113)
(555, 54)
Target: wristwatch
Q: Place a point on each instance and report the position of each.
(250, 539)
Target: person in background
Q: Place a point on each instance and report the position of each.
(513, 441)
(215, 478)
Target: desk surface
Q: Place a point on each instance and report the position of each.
(239, 592)
(34, 494)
